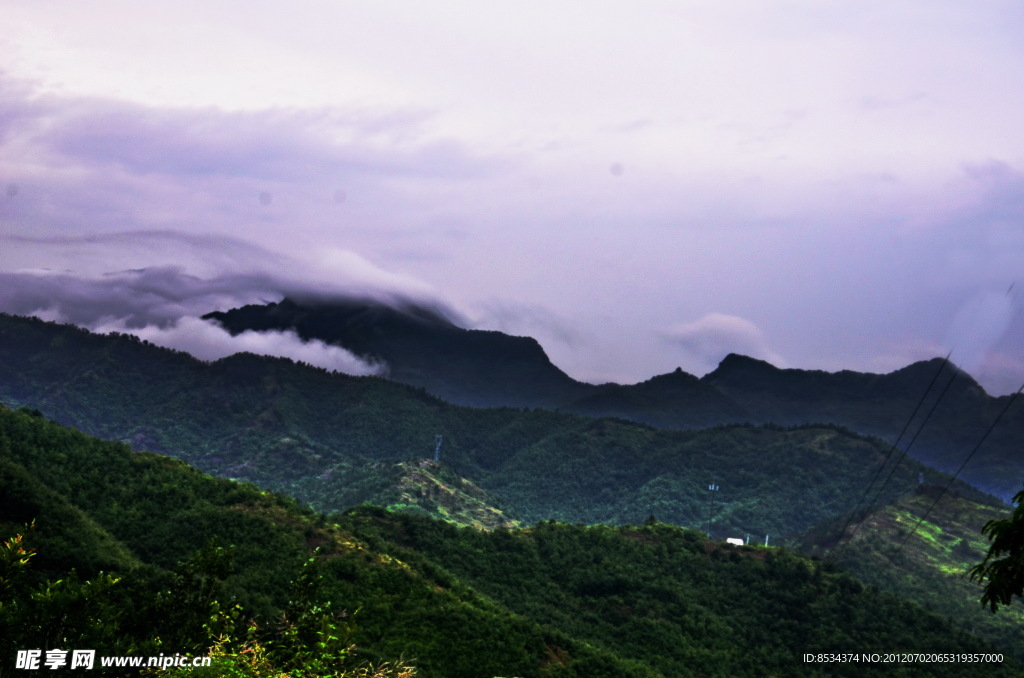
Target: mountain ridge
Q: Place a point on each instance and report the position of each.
(740, 390)
(317, 436)
(420, 347)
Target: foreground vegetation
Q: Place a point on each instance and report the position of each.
(923, 547)
(135, 553)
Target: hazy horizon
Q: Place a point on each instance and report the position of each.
(638, 187)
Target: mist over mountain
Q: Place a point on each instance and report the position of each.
(421, 346)
(939, 407)
(331, 439)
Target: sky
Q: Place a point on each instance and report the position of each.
(639, 186)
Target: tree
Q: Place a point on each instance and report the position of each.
(1003, 567)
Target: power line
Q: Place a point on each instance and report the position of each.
(931, 411)
(839, 541)
(962, 466)
(892, 471)
(967, 460)
(895, 445)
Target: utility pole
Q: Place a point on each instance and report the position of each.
(712, 488)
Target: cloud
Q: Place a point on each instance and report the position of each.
(162, 304)
(150, 296)
(804, 169)
(75, 166)
(522, 319)
(276, 144)
(207, 341)
(712, 337)
(977, 327)
(160, 295)
(210, 265)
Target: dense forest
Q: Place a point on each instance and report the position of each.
(922, 547)
(332, 440)
(422, 347)
(139, 554)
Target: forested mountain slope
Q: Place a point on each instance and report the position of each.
(950, 410)
(553, 600)
(331, 440)
(422, 347)
(921, 547)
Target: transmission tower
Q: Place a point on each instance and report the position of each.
(712, 488)
(437, 447)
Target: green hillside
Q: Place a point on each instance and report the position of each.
(952, 417)
(199, 546)
(428, 488)
(332, 441)
(423, 347)
(184, 549)
(928, 564)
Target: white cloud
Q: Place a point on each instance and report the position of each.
(712, 337)
(207, 341)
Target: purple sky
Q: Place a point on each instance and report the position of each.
(640, 186)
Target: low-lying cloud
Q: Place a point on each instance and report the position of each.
(712, 337)
(139, 298)
(163, 305)
(519, 319)
(207, 341)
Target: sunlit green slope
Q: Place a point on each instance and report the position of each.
(925, 561)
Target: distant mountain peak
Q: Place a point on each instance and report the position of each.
(676, 376)
(736, 363)
(423, 346)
